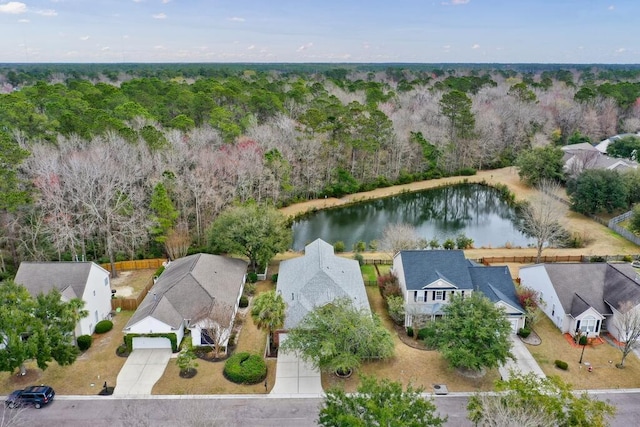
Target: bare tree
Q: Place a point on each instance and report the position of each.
(400, 237)
(544, 216)
(177, 242)
(216, 322)
(627, 322)
(505, 410)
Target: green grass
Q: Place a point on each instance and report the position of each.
(369, 273)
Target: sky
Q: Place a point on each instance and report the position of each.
(301, 31)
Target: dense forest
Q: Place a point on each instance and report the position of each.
(105, 160)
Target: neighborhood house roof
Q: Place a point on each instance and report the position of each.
(318, 278)
(496, 284)
(189, 285)
(70, 278)
(580, 286)
(424, 267)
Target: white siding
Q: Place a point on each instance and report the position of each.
(97, 283)
(150, 325)
(536, 277)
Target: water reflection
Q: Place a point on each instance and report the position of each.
(472, 209)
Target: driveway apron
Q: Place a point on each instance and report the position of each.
(141, 371)
(294, 376)
(524, 361)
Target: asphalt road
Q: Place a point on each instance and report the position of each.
(241, 411)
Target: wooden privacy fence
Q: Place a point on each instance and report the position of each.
(554, 258)
(139, 264)
(131, 304)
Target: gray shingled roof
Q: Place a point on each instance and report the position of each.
(189, 285)
(496, 283)
(621, 284)
(316, 279)
(584, 280)
(70, 278)
(424, 267)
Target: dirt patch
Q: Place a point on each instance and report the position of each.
(131, 283)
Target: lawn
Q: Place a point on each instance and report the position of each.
(210, 379)
(369, 273)
(409, 365)
(87, 375)
(605, 375)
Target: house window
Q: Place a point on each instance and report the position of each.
(588, 325)
(438, 296)
(96, 314)
(106, 281)
(94, 292)
(205, 338)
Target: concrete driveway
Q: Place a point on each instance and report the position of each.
(524, 361)
(141, 371)
(294, 376)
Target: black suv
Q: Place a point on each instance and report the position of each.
(37, 395)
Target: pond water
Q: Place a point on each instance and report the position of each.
(474, 210)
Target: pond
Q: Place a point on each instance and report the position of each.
(477, 211)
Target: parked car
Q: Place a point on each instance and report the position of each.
(37, 395)
(635, 264)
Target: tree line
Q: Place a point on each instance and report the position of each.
(110, 165)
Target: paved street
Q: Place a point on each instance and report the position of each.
(242, 411)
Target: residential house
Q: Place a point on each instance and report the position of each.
(585, 297)
(84, 280)
(188, 289)
(316, 279)
(583, 156)
(429, 279)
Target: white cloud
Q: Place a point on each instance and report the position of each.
(13, 7)
(138, 1)
(165, 1)
(47, 12)
(24, 21)
(235, 19)
(460, 1)
(251, 47)
(159, 47)
(611, 7)
(84, 38)
(159, 16)
(621, 50)
(305, 47)
(475, 46)
(105, 48)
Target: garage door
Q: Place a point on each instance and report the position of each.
(150, 342)
(514, 325)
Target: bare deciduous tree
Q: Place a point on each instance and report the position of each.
(503, 410)
(627, 322)
(216, 323)
(400, 237)
(177, 242)
(544, 216)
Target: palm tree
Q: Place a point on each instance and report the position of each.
(268, 312)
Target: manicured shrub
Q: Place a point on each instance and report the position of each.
(561, 365)
(524, 332)
(583, 340)
(244, 301)
(274, 278)
(245, 368)
(358, 257)
(84, 342)
(423, 333)
(338, 246)
(359, 246)
(103, 326)
(159, 271)
(252, 277)
(409, 331)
